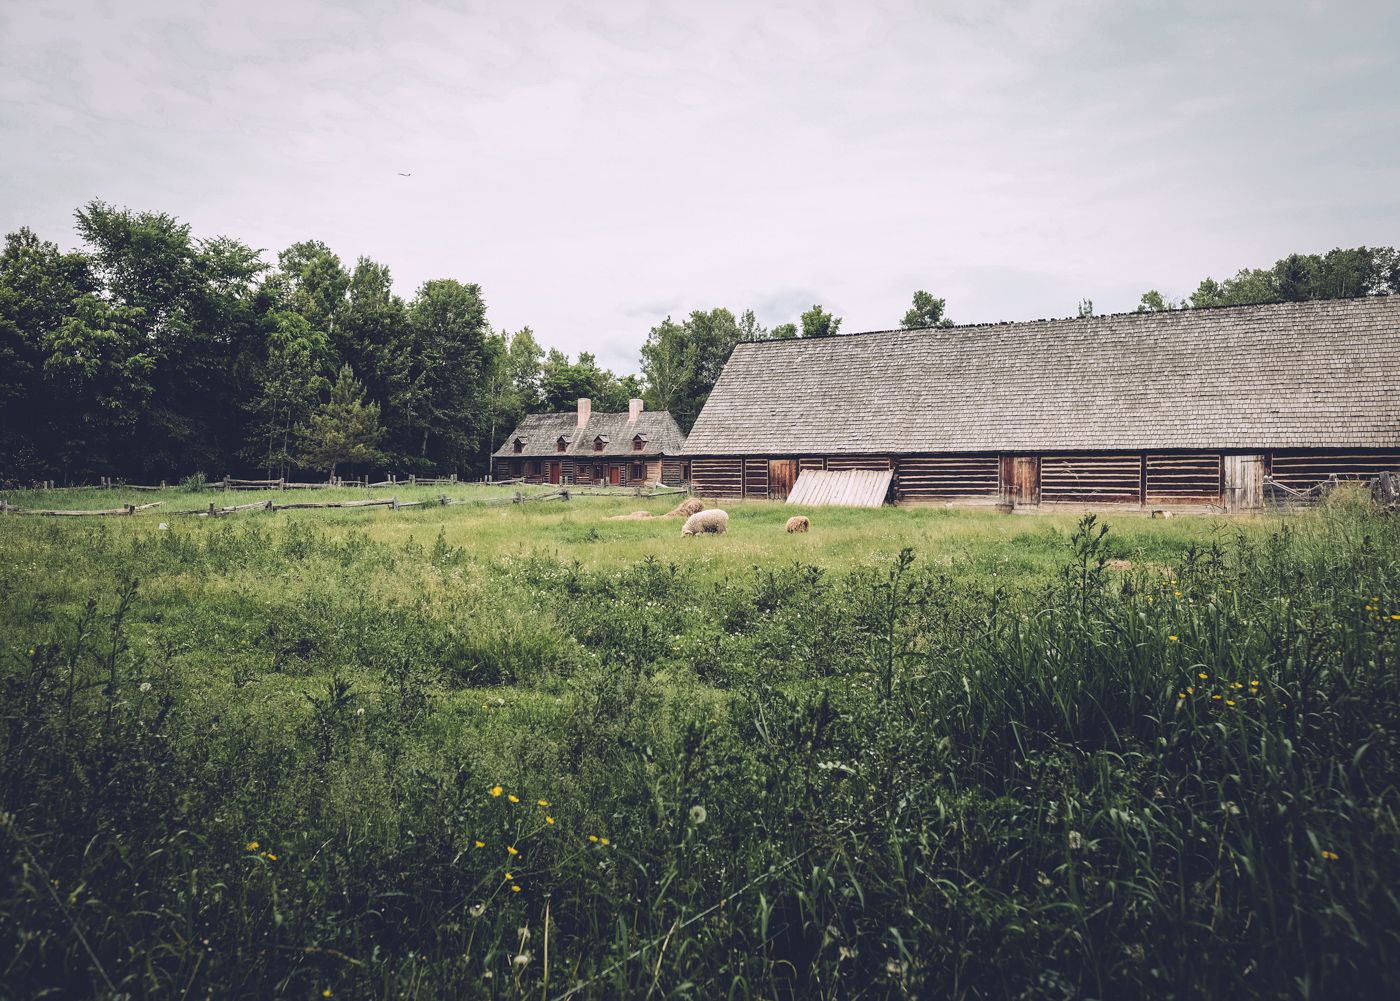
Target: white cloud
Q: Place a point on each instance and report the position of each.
(598, 166)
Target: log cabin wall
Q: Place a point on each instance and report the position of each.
(718, 477)
(756, 478)
(1300, 470)
(1103, 479)
(943, 476)
(1182, 477)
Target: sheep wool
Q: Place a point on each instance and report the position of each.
(713, 520)
(798, 523)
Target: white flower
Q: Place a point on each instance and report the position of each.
(524, 933)
(477, 911)
(1042, 879)
(145, 686)
(1229, 807)
(360, 711)
(1074, 839)
(522, 959)
(894, 967)
(697, 813)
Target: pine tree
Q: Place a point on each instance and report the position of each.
(344, 429)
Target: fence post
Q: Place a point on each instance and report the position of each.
(211, 510)
(281, 483)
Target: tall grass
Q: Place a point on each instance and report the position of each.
(270, 759)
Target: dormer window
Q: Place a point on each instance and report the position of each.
(600, 443)
(638, 443)
(562, 445)
(519, 445)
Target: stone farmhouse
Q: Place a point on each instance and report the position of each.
(631, 449)
(1192, 407)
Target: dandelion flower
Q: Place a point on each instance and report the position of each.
(1204, 677)
(593, 837)
(515, 887)
(544, 802)
(548, 819)
(522, 959)
(1172, 638)
(697, 813)
(496, 790)
(512, 799)
(481, 844)
(511, 849)
(477, 910)
(252, 846)
(510, 876)
(1228, 702)
(604, 841)
(524, 933)
(272, 856)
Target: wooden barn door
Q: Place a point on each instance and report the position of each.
(1025, 479)
(1243, 482)
(613, 476)
(782, 474)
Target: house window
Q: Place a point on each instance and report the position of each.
(598, 473)
(685, 470)
(639, 471)
(561, 445)
(519, 446)
(638, 444)
(514, 467)
(535, 467)
(597, 444)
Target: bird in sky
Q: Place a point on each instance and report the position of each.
(402, 174)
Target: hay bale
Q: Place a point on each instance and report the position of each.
(713, 520)
(686, 508)
(798, 523)
(634, 516)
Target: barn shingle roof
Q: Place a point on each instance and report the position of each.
(659, 431)
(1287, 375)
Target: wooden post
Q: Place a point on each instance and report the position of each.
(281, 483)
(211, 510)
(269, 507)
(517, 497)
(454, 477)
(393, 503)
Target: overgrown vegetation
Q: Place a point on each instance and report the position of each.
(936, 754)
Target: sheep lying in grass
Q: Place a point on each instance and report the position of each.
(798, 523)
(686, 508)
(713, 520)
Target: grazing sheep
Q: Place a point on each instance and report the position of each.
(798, 523)
(686, 508)
(713, 520)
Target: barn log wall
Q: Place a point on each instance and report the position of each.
(1301, 470)
(879, 462)
(938, 476)
(756, 478)
(1105, 479)
(1182, 477)
(810, 463)
(718, 477)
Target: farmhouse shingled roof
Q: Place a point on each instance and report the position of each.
(1287, 375)
(543, 431)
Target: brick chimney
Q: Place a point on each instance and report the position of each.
(634, 407)
(585, 407)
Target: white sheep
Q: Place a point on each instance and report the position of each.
(713, 520)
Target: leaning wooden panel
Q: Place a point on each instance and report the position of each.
(1090, 478)
(841, 488)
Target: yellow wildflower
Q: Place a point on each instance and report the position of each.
(1172, 638)
(544, 802)
(511, 849)
(593, 837)
(481, 844)
(509, 876)
(496, 790)
(252, 846)
(604, 841)
(515, 887)
(1203, 677)
(512, 799)
(548, 820)
(1330, 855)
(1228, 702)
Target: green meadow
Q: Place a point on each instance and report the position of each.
(528, 751)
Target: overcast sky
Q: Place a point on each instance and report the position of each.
(598, 166)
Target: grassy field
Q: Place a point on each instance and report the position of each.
(497, 751)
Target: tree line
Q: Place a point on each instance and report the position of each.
(153, 354)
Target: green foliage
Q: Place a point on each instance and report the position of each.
(342, 430)
(273, 769)
(682, 361)
(926, 312)
(1338, 274)
(817, 322)
(1086, 307)
(1153, 302)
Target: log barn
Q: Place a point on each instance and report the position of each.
(1189, 407)
(586, 448)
